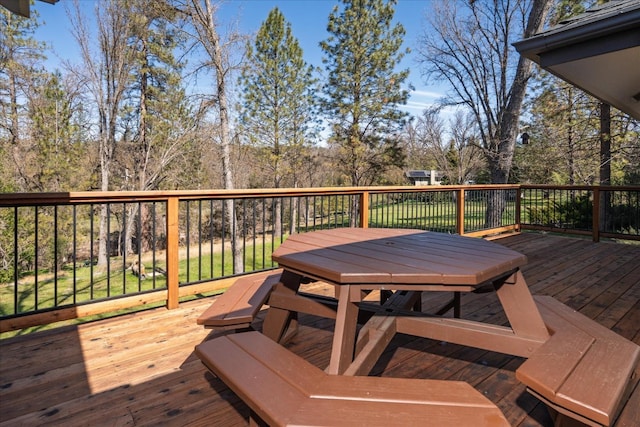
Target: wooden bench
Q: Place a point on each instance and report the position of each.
(283, 389)
(238, 306)
(584, 371)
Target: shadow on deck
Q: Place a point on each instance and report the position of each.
(140, 369)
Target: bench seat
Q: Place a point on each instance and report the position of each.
(282, 389)
(238, 306)
(584, 371)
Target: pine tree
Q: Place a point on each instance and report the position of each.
(563, 137)
(278, 99)
(157, 99)
(364, 90)
(52, 159)
(278, 103)
(19, 56)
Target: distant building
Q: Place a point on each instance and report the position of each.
(423, 177)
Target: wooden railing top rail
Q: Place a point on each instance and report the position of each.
(580, 187)
(20, 199)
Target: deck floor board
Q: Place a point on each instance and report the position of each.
(139, 369)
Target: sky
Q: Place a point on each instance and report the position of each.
(308, 20)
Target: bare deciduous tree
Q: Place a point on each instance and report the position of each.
(201, 18)
(106, 72)
(451, 148)
(469, 48)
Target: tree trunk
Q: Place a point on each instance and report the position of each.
(605, 144)
(209, 37)
(277, 205)
(293, 222)
(605, 165)
(13, 95)
(277, 217)
(103, 234)
(508, 124)
(570, 141)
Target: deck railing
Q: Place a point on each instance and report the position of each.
(611, 212)
(160, 247)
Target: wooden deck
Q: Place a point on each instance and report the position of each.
(140, 369)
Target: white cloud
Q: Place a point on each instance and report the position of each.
(416, 105)
(426, 94)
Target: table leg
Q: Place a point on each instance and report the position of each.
(384, 296)
(521, 310)
(455, 303)
(344, 336)
(279, 323)
(417, 306)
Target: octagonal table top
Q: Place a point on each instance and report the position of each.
(382, 255)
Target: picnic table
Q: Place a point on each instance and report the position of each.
(581, 370)
(359, 260)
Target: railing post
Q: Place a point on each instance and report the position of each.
(460, 211)
(518, 218)
(173, 237)
(595, 226)
(364, 209)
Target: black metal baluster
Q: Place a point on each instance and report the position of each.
(55, 256)
(35, 244)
